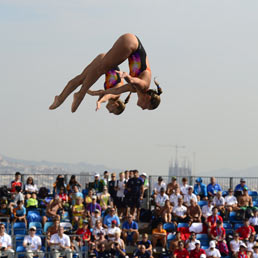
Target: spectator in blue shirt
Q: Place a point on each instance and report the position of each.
(213, 188)
(141, 252)
(130, 231)
(200, 189)
(241, 186)
(111, 216)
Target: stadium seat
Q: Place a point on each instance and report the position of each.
(255, 198)
(182, 225)
(19, 225)
(203, 238)
(224, 193)
(47, 225)
(202, 203)
(34, 216)
(35, 224)
(252, 193)
(238, 225)
(65, 217)
(19, 249)
(169, 227)
(232, 217)
(205, 247)
(227, 225)
(255, 203)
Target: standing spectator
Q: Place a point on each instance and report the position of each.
(16, 182)
(207, 209)
(190, 243)
(136, 189)
(159, 234)
(197, 252)
(30, 187)
(19, 213)
(212, 252)
(110, 217)
(179, 212)
(190, 195)
(235, 244)
(246, 230)
(91, 207)
(32, 244)
(194, 212)
(172, 185)
(184, 186)
(160, 201)
(200, 189)
(60, 244)
(254, 221)
(60, 182)
(242, 252)
(73, 182)
(105, 178)
(181, 252)
(230, 201)
(97, 185)
(105, 199)
(240, 187)
(213, 188)
(5, 243)
(157, 186)
(120, 195)
(174, 196)
(130, 232)
(112, 187)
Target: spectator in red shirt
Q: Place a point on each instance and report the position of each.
(212, 220)
(16, 182)
(181, 252)
(197, 252)
(242, 252)
(218, 232)
(84, 231)
(246, 231)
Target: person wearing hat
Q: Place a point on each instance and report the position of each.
(245, 200)
(230, 201)
(91, 207)
(112, 230)
(190, 195)
(5, 243)
(144, 178)
(197, 252)
(96, 216)
(242, 251)
(120, 195)
(85, 233)
(96, 184)
(160, 201)
(158, 185)
(172, 185)
(200, 189)
(32, 244)
(207, 209)
(255, 251)
(240, 187)
(212, 251)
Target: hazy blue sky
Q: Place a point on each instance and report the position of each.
(203, 52)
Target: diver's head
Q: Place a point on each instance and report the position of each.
(154, 96)
(117, 106)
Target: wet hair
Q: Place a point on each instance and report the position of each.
(155, 96)
(121, 105)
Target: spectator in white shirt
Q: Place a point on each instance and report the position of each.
(5, 243)
(235, 244)
(190, 243)
(219, 202)
(212, 252)
(157, 186)
(254, 221)
(184, 186)
(207, 209)
(160, 201)
(32, 244)
(174, 196)
(112, 230)
(179, 212)
(190, 195)
(230, 201)
(30, 187)
(60, 244)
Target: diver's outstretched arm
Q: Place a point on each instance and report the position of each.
(105, 98)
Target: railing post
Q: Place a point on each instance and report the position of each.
(149, 193)
(190, 180)
(231, 182)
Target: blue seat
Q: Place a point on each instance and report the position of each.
(238, 225)
(171, 237)
(65, 217)
(202, 203)
(30, 212)
(224, 193)
(255, 198)
(203, 238)
(252, 193)
(19, 225)
(169, 226)
(227, 225)
(182, 225)
(35, 224)
(205, 247)
(19, 233)
(255, 203)
(232, 217)
(19, 249)
(47, 225)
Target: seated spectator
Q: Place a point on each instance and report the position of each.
(19, 213)
(254, 221)
(217, 232)
(212, 252)
(184, 186)
(101, 240)
(118, 246)
(141, 252)
(194, 212)
(146, 242)
(242, 252)
(160, 201)
(173, 198)
(5, 243)
(64, 197)
(240, 187)
(245, 200)
(179, 212)
(197, 252)
(97, 185)
(79, 213)
(53, 208)
(190, 195)
(181, 252)
(88, 198)
(212, 220)
(250, 244)
(246, 230)
(53, 229)
(207, 209)
(30, 187)
(190, 243)
(230, 201)
(96, 216)
(5, 212)
(32, 244)
(75, 193)
(219, 202)
(166, 212)
(32, 202)
(255, 251)
(159, 234)
(157, 186)
(73, 182)
(174, 244)
(60, 182)
(200, 189)
(105, 199)
(84, 232)
(97, 230)
(102, 251)
(172, 186)
(110, 217)
(213, 188)
(17, 196)
(60, 244)
(130, 232)
(235, 244)
(112, 230)
(91, 207)
(16, 182)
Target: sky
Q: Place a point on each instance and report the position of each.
(204, 53)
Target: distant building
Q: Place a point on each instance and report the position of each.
(182, 170)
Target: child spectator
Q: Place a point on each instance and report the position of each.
(32, 202)
(19, 213)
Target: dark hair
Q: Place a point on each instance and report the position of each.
(17, 188)
(18, 173)
(32, 183)
(155, 96)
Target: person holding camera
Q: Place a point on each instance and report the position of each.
(32, 244)
(5, 243)
(60, 244)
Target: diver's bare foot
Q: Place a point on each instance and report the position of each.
(76, 101)
(56, 103)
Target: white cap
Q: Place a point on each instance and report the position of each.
(243, 244)
(212, 244)
(203, 256)
(144, 174)
(96, 175)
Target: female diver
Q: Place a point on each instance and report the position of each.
(128, 46)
